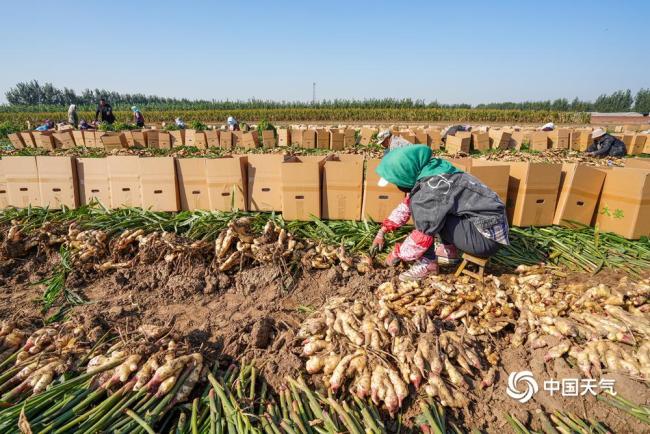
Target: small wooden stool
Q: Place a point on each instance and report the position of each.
(469, 259)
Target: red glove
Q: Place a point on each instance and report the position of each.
(378, 242)
(393, 258)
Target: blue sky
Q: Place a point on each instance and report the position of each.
(462, 51)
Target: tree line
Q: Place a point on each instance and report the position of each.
(32, 93)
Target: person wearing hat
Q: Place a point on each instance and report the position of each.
(179, 123)
(452, 130)
(605, 145)
(73, 117)
(451, 211)
(389, 141)
(233, 124)
(137, 117)
(547, 127)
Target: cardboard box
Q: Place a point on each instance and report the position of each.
(628, 139)
(264, 182)
(580, 140)
(559, 138)
(164, 140)
(378, 202)
(4, 194)
(638, 144)
(226, 139)
(580, 188)
(249, 140)
(309, 139)
(192, 183)
(638, 163)
(480, 141)
(16, 141)
(43, 139)
(301, 188)
(90, 139)
(268, 139)
(456, 144)
(212, 138)
(342, 187)
(177, 138)
(499, 139)
(124, 181)
(196, 139)
(139, 138)
(151, 137)
(435, 138)
(646, 148)
(189, 137)
(408, 136)
(158, 184)
(57, 178)
(284, 136)
(322, 139)
(237, 137)
(624, 206)
(128, 137)
(532, 193)
(92, 174)
(78, 136)
(28, 139)
(337, 140)
(421, 137)
(111, 141)
(226, 178)
(366, 136)
(349, 137)
(296, 137)
(495, 175)
(539, 140)
(21, 175)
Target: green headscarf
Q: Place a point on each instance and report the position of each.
(405, 166)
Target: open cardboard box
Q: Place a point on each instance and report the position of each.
(322, 138)
(192, 183)
(226, 178)
(499, 139)
(580, 139)
(366, 135)
(638, 144)
(493, 174)
(90, 139)
(342, 192)
(349, 137)
(580, 188)
(532, 193)
(21, 175)
(226, 140)
(44, 139)
(124, 181)
(57, 179)
(480, 141)
(301, 187)
(92, 174)
(249, 140)
(212, 138)
(158, 184)
(378, 202)
(560, 138)
(177, 138)
(111, 141)
(16, 141)
(284, 136)
(337, 140)
(454, 144)
(268, 139)
(4, 194)
(264, 182)
(28, 139)
(539, 140)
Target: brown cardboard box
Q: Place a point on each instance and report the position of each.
(301, 182)
(378, 202)
(21, 175)
(177, 138)
(57, 179)
(480, 141)
(92, 174)
(560, 138)
(139, 138)
(16, 141)
(124, 181)
(91, 140)
(495, 175)
(638, 144)
(624, 206)
(4, 194)
(532, 193)
(627, 139)
(309, 139)
(268, 138)
(78, 136)
(408, 136)
(435, 138)
(579, 191)
(43, 139)
(296, 137)
(128, 137)
(28, 139)
(539, 141)
(189, 137)
(237, 137)
(264, 182)
(226, 178)
(226, 139)
(249, 140)
(342, 187)
(349, 137)
(192, 183)
(284, 137)
(421, 137)
(212, 137)
(322, 138)
(196, 139)
(158, 184)
(63, 140)
(151, 137)
(580, 140)
(638, 163)
(164, 140)
(111, 141)
(499, 139)
(456, 144)
(336, 140)
(646, 148)
(367, 135)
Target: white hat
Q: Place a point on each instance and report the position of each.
(381, 136)
(597, 133)
(231, 120)
(382, 182)
(550, 125)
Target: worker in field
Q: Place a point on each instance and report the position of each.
(233, 124)
(451, 211)
(105, 110)
(605, 145)
(73, 117)
(46, 125)
(452, 130)
(547, 127)
(179, 123)
(390, 141)
(137, 117)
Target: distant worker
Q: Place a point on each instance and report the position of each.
(105, 110)
(137, 116)
(233, 124)
(73, 117)
(451, 211)
(389, 141)
(547, 127)
(46, 125)
(605, 145)
(452, 130)
(83, 125)
(179, 123)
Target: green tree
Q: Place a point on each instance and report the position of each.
(642, 101)
(619, 101)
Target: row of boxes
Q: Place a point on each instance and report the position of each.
(332, 187)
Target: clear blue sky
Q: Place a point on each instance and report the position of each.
(462, 51)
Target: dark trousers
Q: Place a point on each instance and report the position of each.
(462, 233)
